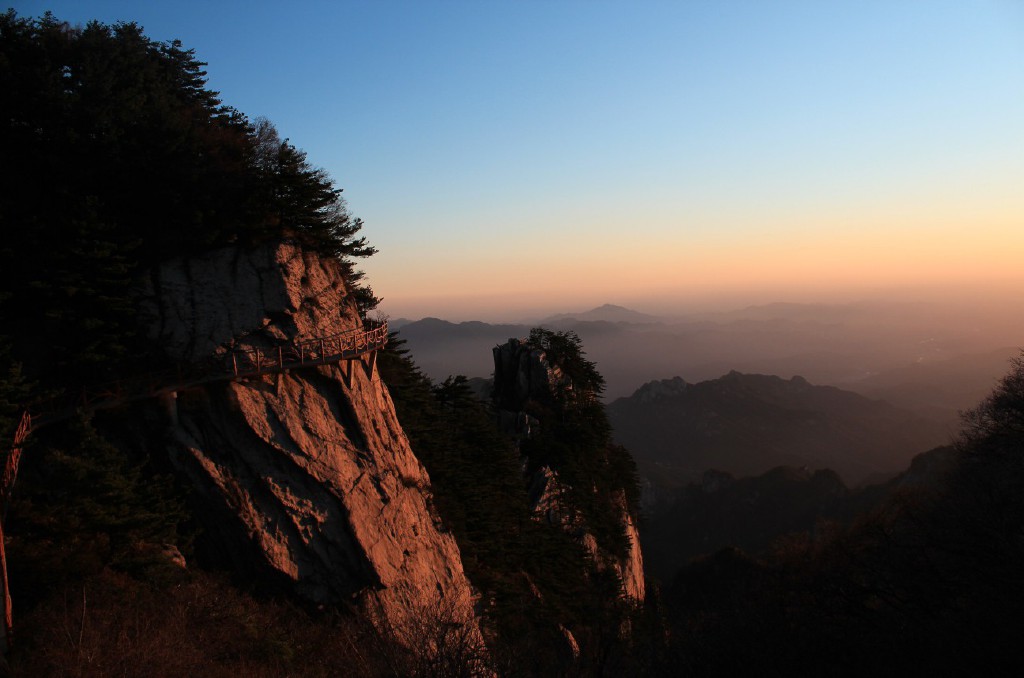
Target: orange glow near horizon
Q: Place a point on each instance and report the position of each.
(798, 262)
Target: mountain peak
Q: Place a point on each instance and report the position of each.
(661, 388)
(605, 313)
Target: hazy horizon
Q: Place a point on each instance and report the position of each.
(991, 300)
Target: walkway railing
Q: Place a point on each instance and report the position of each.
(236, 364)
(318, 351)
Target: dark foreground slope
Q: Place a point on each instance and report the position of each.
(753, 513)
(746, 424)
(928, 584)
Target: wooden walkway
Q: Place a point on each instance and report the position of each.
(237, 364)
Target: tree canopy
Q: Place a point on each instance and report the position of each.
(117, 156)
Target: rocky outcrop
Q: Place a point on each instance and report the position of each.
(231, 297)
(522, 375)
(662, 388)
(549, 503)
(305, 476)
(631, 568)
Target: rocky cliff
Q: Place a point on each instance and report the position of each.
(523, 377)
(304, 477)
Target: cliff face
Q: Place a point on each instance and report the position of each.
(304, 476)
(523, 373)
(547, 497)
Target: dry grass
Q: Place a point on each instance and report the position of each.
(201, 626)
(115, 626)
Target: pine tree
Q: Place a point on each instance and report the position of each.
(301, 200)
(117, 156)
(82, 505)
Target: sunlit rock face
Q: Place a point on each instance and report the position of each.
(548, 500)
(523, 373)
(631, 568)
(233, 297)
(304, 479)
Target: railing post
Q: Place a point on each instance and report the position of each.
(10, 473)
(8, 627)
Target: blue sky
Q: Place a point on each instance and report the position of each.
(557, 155)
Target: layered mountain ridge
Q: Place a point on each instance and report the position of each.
(745, 424)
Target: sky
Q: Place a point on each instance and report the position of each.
(543, 156)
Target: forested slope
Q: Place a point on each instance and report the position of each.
(928, 582)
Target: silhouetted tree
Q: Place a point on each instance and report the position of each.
(117, 156)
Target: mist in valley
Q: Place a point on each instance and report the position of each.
(935, 354)
(863, 386)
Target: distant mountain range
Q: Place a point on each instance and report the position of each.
(609, 313)
(745, 424)
(898, 353)
(443, 348)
